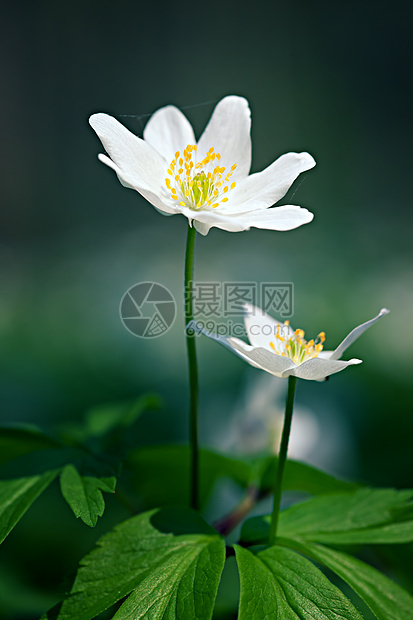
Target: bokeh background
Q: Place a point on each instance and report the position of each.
(334, 79)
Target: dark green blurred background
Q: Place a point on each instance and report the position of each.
(333, 78)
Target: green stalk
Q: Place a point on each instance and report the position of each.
(282, 457)
(192, 367)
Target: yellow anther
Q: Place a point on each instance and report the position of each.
(201, 183)
(272, 345)
(233, 184)
(182, 204)
(286, 322)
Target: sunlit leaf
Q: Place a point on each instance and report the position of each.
(386, 599)
(167, 561)
(280, 584)
(366, 516)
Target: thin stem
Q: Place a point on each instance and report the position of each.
(192, 366)
(282, 457)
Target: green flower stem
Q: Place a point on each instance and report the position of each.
(282, 457)
(192, 366)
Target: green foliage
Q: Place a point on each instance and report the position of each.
(167, 562)
(30, 460)
(16, 496)
(298, 477)
(84, 493)
(366, 516)
(16, 441)
(155, 471)
(386, 599)
(159, 474)
(279, 584)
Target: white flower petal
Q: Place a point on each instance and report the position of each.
(205, 219)
(263, 359)
(242, 349)
(161, 205)
(168, 130)
(139, 164)
(278, 218)
(261, 328)
(264, 189)
(286, 217)
(318, 368)
(228, 131)
(356, 333)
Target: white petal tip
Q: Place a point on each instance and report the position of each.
(97, 118)
(309, 159)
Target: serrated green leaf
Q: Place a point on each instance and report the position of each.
(366, 516)
(386, 599)
(16, 496)
(299, 477)
(168, 560)
(84, 494)
(31, 473)
(278, 584)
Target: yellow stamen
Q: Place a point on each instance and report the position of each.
(194, 184)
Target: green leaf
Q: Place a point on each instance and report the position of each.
(168, 560)
(20, 440)
(16, 496)
(23, 479)
(105, 419)
(386, 599)
(160, 474)
(366, 516)
(84, 493)
(299, 477)
(279, 584)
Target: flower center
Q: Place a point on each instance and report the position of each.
(293, 344)
(198, 184)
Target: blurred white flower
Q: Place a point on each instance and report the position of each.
(208, 181)
(283, 352)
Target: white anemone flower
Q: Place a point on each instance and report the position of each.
(283, 352)
(207, 181)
